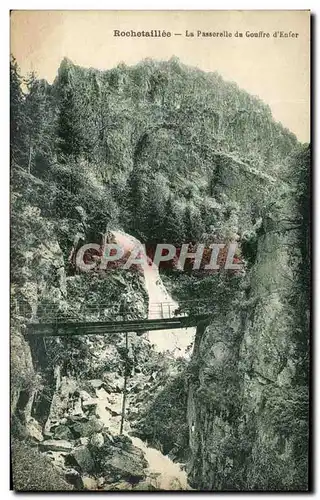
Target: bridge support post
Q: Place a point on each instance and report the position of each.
(201, 328)
(124, 396)
(38, 351)
(41, 403)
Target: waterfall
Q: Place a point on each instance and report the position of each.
(175, 341)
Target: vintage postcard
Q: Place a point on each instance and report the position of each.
(160, 250)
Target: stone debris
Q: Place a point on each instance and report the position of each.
(83, 458)
(56, 445)
(82, 435)
(63, 432)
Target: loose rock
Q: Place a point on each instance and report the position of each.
(89, 483)
(97, 440)
(56, 445)
(83, 458)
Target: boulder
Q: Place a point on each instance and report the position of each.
(97, 440)
(63, 432)
(145, 486)
(84, 440)
(84, 395)
(89, 483)
(34, 430)
(100, 482)
(119, 486)
(89, 403)
(83, 458)
(85, 429)
(76, 418)
(56, 445)
(124, 442)
(77, 409)
(73, 477)
(56, 457)
(96, 383)
(121, 464)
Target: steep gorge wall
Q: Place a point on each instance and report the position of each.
(248, 396)
(164, 129)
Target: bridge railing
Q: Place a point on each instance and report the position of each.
(84, 312)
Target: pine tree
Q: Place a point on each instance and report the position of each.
(155, 209)
(70, 139)
(173, 226)
(136, 203)
(18, 126)
(194, 227)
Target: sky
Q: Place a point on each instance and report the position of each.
(275, 69)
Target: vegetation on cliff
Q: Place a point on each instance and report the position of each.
(172, 154)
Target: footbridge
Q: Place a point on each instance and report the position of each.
(107, 318)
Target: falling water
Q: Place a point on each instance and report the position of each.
(175, 341)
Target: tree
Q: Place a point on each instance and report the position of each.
(173, 226)
(40, 120)
(17, 115)
(194, 227)
(136, 202)
(69, 134)
(155, 209)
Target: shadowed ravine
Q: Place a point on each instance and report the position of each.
(162, 472)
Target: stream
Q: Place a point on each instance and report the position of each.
(166, 474)
(163, 473)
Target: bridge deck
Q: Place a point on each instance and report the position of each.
(54, 329)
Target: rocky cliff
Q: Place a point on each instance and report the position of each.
(248, 393)
(166, 153)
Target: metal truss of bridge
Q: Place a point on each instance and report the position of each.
(106, 318)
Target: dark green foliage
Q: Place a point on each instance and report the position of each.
(69, 132)
(172, 122)
(136, 201)
(17, 117)
(173, 223)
